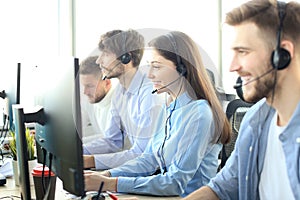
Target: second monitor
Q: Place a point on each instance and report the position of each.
(59, 140)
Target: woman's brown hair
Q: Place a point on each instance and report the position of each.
(200, 84)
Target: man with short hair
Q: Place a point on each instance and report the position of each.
(97, 104)
(265, 163)
(134, 107)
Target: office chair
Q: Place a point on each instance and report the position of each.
(211, 76)
(219, 90)
(235, 111)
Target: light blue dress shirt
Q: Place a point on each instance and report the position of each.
(133, 112)
(239, 178)
(191, 159)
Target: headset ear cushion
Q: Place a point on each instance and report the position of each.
(280, 59)
(125, 58)
(181, 69)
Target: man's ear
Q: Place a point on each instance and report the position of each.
(107, 83)
(289, 46)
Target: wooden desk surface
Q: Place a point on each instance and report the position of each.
(10, 190)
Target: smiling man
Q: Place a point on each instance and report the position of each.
(265, 161)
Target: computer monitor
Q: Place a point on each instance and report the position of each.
(59, 132)
(10, 87)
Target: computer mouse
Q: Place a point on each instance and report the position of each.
(2, 179)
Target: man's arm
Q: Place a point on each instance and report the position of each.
(88, 161)
(204, 193)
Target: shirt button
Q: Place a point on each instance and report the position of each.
(298, 140)
(281, 137)
(246, 178)
(250, 148)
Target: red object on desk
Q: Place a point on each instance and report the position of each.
(112, 196)
(38, 171)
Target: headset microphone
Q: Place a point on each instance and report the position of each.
(240, 84)
(110, 71)
(154, 91)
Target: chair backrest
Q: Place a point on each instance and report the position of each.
(211, 76)
(235, 111)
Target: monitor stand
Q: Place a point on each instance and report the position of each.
(22, 157)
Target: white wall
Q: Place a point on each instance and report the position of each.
(199, 21)
(29, 35)
(35, 31)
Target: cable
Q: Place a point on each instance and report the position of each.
(46, 195)
(50, 166)
(166, 131)
(4, 127)
(165, 138)
(43, 172)
(99, 191)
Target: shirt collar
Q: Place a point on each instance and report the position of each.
(180, 101)
(264, 110)
(136, 82)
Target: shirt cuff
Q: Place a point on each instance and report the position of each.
(125, 184)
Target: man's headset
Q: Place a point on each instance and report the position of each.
(280, 57)
(125, 58)
(180, 67)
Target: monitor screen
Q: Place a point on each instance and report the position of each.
(58, 93)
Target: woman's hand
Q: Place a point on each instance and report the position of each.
(93, 180)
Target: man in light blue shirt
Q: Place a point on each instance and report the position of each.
(265, 163)
(133, 108)
(240, 177)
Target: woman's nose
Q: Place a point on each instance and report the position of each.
(150, 75)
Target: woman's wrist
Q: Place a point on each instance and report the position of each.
(114, 184)
(111, 184)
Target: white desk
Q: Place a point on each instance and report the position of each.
(10, 189)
